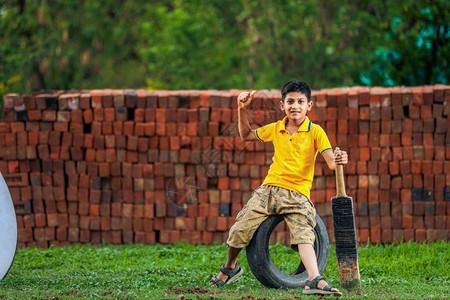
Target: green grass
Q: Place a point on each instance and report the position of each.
(405, 271)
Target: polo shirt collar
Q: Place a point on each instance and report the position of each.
(306, 125)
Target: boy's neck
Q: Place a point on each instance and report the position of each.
(295, 123)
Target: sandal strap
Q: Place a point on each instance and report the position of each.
(313, 283)
(216, 280)
(230, 272)
(328, 288)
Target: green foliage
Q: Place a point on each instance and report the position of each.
(69, 45)
(414, 48)
(187, 45)
(404, 271)
(221, 44)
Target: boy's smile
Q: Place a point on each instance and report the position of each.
(296, 106)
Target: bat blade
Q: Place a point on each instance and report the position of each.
(345, 241)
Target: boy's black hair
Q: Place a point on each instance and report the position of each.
(296, 86)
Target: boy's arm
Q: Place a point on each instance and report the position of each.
(340, 159)
(245, 131)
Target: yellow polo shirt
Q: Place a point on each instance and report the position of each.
(293, 161)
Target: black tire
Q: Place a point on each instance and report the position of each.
(264, 269)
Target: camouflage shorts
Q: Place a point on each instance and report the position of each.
(299, 214)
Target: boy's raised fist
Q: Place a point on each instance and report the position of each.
(245, 98)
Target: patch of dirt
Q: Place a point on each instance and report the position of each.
(198, 290)
(70, 293)
(295, 297)
(107, 293)
(74, 293)
(202, 291)
(319, 298)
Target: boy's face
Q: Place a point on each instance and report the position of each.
(296, 106)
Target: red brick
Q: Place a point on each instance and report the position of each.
(160, 209)
(84, 222)
(34, 115)
(40, 220)
(375, 235)
(417, 96)
(222, 224)
(397, 112)
(420, 235)
(405, 195)
(25, 235)
(432, 235)
(174, 236)
(94, 223)
(49, 233)
(363, 235)
(49, 115)
(331, 114)
(394, 168)
(440, 222)
(127, 236)
(364, 154)
(397, 235)
(386, 235)
(408, 153)
(207, 237)
(408, 234)
(407, 222)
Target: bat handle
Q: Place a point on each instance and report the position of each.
(340, 184)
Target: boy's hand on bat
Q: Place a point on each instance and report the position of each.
(340, 157)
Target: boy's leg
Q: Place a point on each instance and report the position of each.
(299, 214)
(308, 257)
(247, 222)
(230, 264)
(232, 257)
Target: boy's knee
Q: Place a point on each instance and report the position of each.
(239, 238)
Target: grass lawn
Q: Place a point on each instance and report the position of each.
(405, 271)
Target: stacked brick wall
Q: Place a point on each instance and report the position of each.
(161, 167)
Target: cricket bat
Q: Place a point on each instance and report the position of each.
(345, 233)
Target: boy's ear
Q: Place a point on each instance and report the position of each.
(310, 105)
(282, 105)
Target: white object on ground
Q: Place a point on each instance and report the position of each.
(8, 229)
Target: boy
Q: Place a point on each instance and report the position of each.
(286, 188)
